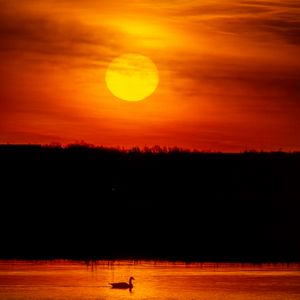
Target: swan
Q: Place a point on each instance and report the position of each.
(122, 285)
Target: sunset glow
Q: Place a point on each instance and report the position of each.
(229, 73)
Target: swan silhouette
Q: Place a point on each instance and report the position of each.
(122, 285)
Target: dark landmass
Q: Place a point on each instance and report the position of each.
(83, 202)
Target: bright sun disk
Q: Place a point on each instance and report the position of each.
(132, 77)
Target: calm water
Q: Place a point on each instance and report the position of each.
(161, 280)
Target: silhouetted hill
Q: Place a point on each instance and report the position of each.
(85, 202)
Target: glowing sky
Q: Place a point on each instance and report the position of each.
(229, 73)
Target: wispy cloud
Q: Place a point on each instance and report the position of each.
(281, 18)
(45, 35)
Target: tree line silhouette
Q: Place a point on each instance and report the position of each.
(86, 202)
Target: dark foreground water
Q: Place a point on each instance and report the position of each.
(154, 280)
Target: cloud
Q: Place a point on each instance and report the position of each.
(284, 27)
(235, 83)
(248, 18)
(219, 9)
(42, 34)
(284, 4)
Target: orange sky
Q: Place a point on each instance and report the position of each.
(229, 73)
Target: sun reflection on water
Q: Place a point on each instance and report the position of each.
(154, 280)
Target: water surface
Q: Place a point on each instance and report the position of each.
(154, 280)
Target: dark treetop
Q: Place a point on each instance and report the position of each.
(90, 203)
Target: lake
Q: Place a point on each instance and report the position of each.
(62, 279)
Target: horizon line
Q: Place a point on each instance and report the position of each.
(155, 149)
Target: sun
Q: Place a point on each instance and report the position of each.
(132, 77)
